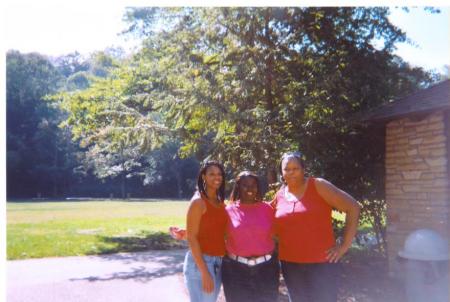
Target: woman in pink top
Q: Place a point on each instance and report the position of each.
(250, 270)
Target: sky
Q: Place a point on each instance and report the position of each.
(61, 27)
(431, 34)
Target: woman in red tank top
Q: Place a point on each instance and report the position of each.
(307, 249)
(205, 229)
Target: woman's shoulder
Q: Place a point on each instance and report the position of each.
(197, 203)
(320, 183)
(319, 179)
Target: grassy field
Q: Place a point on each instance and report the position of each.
(54, 229)
(47, 229)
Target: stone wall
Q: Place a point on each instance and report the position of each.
(417, 178)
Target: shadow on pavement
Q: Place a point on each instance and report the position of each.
(143, 242)
(142, 267)
(139, 274)
(167, 258)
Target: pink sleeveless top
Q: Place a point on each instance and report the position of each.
(249, 229)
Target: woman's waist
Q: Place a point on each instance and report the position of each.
(206, 257)
(253, 259)
(304, 251)
(250, 249)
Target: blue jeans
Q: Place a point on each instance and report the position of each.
(243, 283)
(311, 282)
(193, 278)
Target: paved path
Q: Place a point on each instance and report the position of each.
(147, 276)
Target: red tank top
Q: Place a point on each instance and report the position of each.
(304, 227)
(212, 230)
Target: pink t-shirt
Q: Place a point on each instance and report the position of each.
(250, 229)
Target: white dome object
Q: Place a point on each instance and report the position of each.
(426, 245)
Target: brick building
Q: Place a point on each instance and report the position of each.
(417, 164)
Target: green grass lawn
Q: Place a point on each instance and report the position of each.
(47, 229)
(53, 229)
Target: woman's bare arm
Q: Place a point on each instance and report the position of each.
(343, 202)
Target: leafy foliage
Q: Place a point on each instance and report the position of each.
(245, 84)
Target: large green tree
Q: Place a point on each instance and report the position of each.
(111, 119)
(245, 84)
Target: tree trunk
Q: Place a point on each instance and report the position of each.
(178, 178)
(123, 185)
(271, 172)
(55, 166)
(123, 175)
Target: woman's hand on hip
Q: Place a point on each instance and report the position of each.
(335, 253)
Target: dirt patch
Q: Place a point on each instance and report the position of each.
(365, 278)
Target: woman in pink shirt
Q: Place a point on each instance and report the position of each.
(250, 269)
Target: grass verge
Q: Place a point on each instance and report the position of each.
(53, 229)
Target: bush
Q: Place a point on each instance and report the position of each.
(273, 189)
(373, 213)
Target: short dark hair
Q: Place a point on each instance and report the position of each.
(200, 184)
(297, 155)
(234, 196)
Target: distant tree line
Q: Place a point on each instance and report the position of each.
(43, 160)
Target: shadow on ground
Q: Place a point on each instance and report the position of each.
(166, 258)
(139, 243)
(164, 264)
(163, 257)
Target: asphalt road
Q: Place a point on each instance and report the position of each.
(146, 276)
